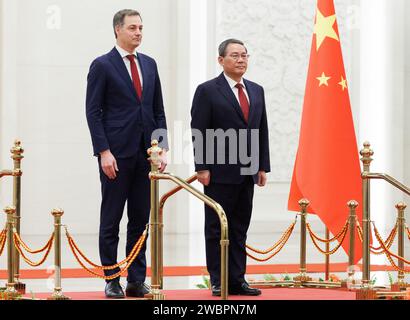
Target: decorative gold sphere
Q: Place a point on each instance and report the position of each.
(58, 212)
(304, 203)
(401, 206)
(10, 210)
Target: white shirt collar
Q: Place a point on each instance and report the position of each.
(123, 53)
(232, 83)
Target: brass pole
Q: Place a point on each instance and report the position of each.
(352, 232)
(222, 219)
(10, 286)
(58, 292)
(4, 173)
(304, 203)
(17, 155)
(162, 201)
(400, 226)
(366, 159)
(327, 256)
(156, 246)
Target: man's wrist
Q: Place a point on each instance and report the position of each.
(102, 153)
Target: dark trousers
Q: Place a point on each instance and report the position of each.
(236, 200)
(132, 185)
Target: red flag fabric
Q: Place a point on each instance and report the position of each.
(327, 168)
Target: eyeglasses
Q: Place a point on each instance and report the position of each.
(237, 56)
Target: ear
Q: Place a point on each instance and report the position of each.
(117, 29)
(221, 61)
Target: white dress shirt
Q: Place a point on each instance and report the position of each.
(123, 53)
(232, 83)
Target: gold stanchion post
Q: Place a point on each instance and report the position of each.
(327, 257)
(299, 280)
(402, 285)
(366, 292)
(156, 246)
(352, 231)
(58, 292)
(17, 155)
(11, 292)
(366, 159)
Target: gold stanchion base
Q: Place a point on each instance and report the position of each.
(155, 294)
(366, 293)
(300, 280)
(9, 293)
(272, 284)
(390, 295)
(58, 297)
(399, 286)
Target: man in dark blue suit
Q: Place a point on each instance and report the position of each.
(230, 109)
(124, 107)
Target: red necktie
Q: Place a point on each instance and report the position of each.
(135, 76)
(243, 101)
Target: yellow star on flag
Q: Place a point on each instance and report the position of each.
(343, 83)
(323, 80)
(324, 28)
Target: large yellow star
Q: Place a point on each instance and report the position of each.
(324, 28)
(323, 80)
(343, 83)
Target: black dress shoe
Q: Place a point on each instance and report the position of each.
(216, 291)
(244, 290)
(113, 290)
(137, 289)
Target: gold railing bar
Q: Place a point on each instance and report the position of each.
(222, 218)
(5, 173)
(389, 179)
(162, 201)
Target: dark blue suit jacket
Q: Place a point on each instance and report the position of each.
(216, 107)
(117, 118)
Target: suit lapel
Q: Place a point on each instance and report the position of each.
(119, 65)
(143, 67)
(227, 92)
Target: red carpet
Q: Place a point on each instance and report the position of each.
(267, 294)
(201, 270)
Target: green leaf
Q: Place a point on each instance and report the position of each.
(201, 286)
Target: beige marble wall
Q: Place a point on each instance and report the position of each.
(47, 46)
(407, 102)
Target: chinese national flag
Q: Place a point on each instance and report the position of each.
(327, 168)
